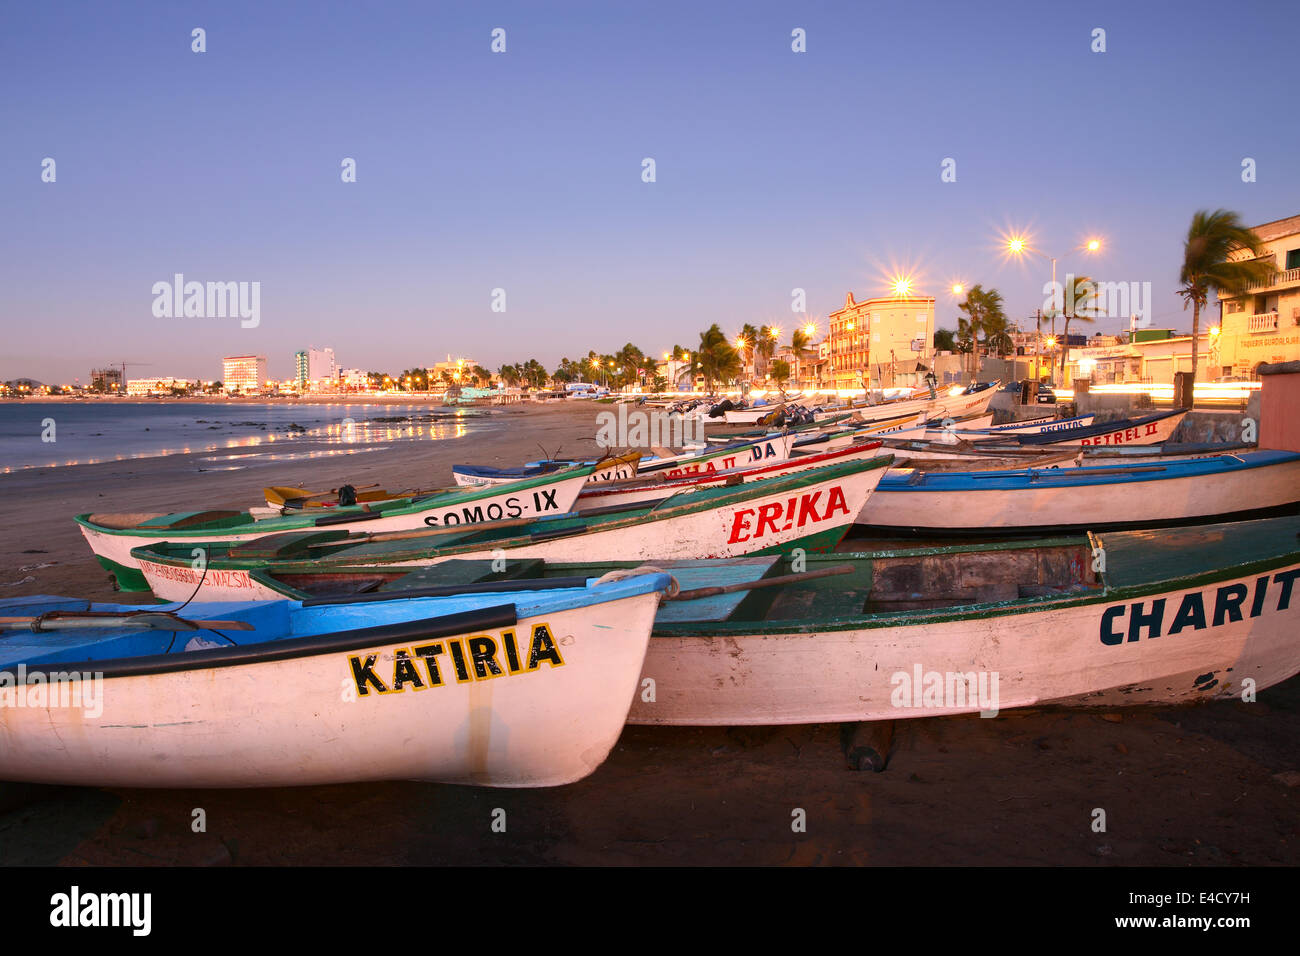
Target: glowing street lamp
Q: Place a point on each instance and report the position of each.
(958, 288)
(1094, 245)
(902, 286)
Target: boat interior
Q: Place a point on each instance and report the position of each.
(907, 580)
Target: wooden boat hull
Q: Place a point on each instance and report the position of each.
(553, 494)
(1091, 497)
(317, 717)
(1075, 652)
(812, 511)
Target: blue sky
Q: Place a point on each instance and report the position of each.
(522, 170)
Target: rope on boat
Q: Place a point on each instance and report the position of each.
(622, 574)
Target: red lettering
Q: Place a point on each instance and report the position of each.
(767, 515)
(836, 503)
(808, 508)
(1119, 438)
(740, 523)
(789, 514)
(1151, 428)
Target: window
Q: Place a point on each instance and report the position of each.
(1293, 259)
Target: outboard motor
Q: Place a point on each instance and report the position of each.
(347, 496)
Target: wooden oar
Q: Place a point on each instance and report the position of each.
(696, 593)
(153, 620)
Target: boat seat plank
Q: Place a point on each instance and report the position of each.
(187, 519)
(283, 544)
(716, 608)
(464, 571)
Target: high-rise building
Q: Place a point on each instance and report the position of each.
(313, 366)
(243, 373)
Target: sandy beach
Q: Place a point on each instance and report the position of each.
(1210, 785)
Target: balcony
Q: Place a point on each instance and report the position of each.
(1277, 279)
(1262, 322)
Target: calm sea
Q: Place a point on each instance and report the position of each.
(41, 434)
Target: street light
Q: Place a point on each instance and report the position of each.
(1018, 245)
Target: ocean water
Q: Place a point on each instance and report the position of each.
(43, 434)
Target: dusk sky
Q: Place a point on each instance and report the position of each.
(523, 170)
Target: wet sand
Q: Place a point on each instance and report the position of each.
(1210, 785)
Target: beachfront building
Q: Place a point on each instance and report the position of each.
(455, 369)
(158, 386)
(243, 373)
(1262, 323)
(879, 342)
(315, 368)
(353, 379)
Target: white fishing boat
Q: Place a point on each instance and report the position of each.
(112, 536)
(1107, 496)
(1175, 617)
(956, 403)
(517, 689)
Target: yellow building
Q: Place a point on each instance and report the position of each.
(878, 342)
(1262, 324)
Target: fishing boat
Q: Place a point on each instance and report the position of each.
(523, 688)
(752, 415)
(768, 450)
(643, 490)
(982, 427)
(1035, 426)
(1113, 619)
(112, 535)
(811, 510)
(1089, 620)
(1176, 491)
(607, 468)
(958, 402)
(1147, 430)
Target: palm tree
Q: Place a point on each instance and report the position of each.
(1077, 290)
(717, 359)
(799, 342)
(766, 344)
(1212, 238)
(748, 345)
(983, 308)
(780, 373)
